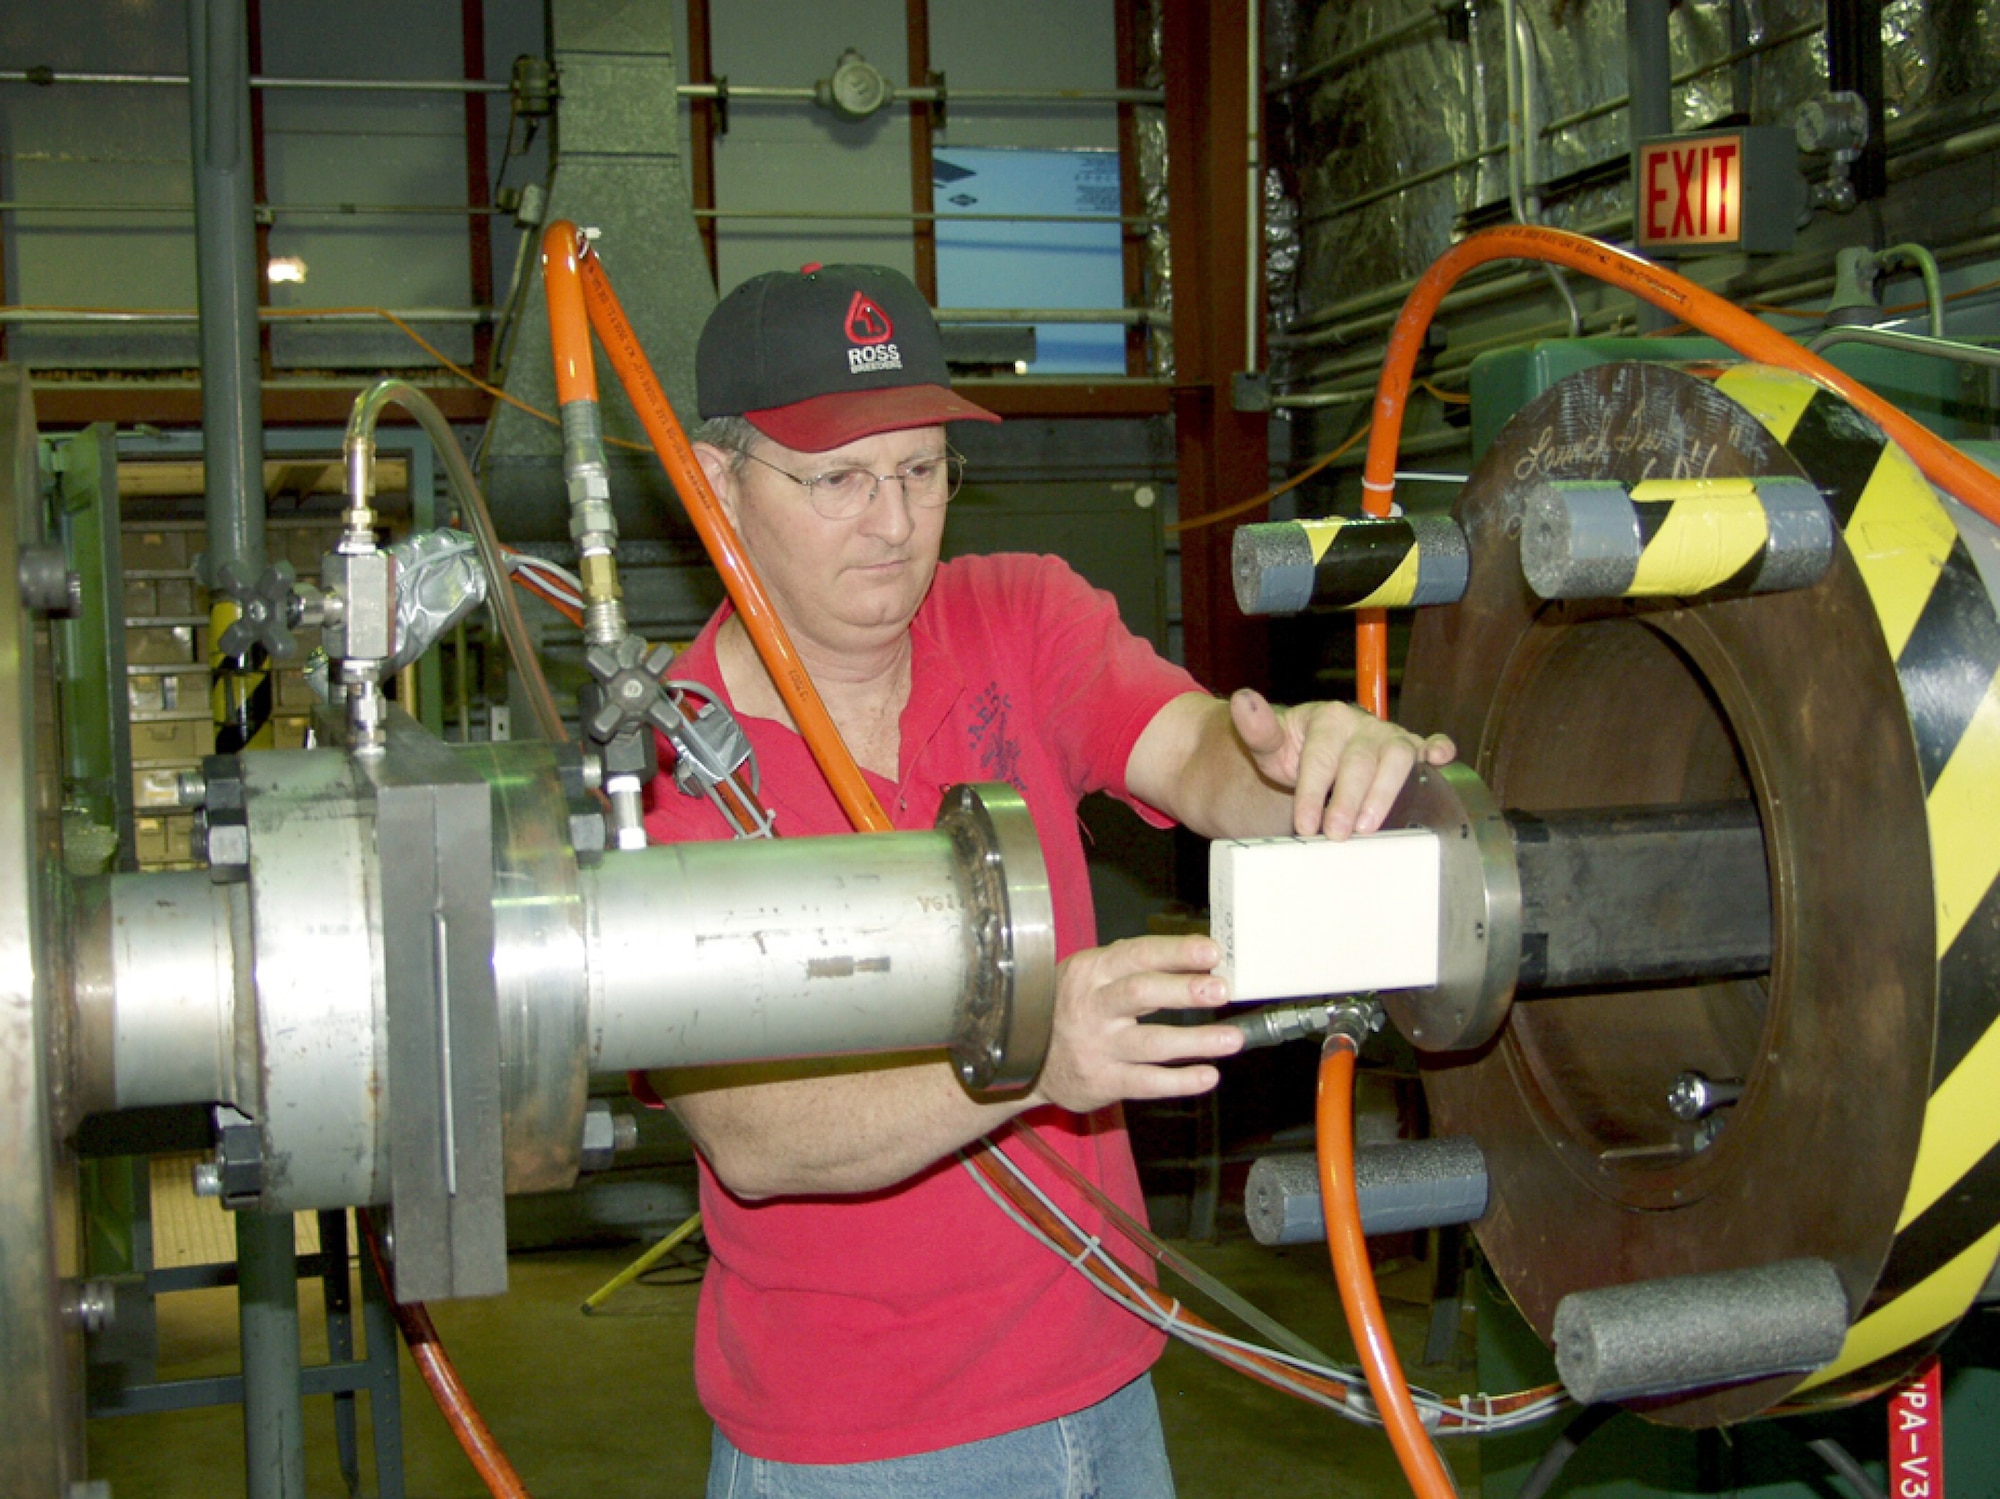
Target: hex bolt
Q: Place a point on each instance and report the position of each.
(95, 1307)
(1695, 1096)
(208, 1178)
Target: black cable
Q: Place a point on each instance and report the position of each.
(1842, 1462)
(1559, 1452)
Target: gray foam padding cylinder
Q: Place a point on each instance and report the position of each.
(1689, 1332)
(1801, 546)
(1409, 1185)
(1272, 568)
(1579, 540)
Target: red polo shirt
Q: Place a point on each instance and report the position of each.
(849, 1329)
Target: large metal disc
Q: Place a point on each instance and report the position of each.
(1789, 700)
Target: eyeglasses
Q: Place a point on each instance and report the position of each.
(843, 493)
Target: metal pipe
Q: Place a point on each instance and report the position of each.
(1524, 133)
(1927, 272)
(338, 210)
(739, 93)
(735, 93)
(47, 77)
(1915, 343)
(1553, 127)
(907, 216)
(765, 948)
(232, 407)
(455, 210)
(61, 315)
(1053, 315)
(1375, 309)
(1362, 51)
(1756, 284)
(1649, 71)
(1729, 59)
(267, 1295)
(465, 493)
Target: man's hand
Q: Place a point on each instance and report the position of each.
(1344, 766)
(1100, 1053)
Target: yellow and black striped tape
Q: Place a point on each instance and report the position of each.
(1697, 535)
(1940, 624)
(1373, 566)
(241, 695)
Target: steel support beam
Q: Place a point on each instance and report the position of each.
(1854, 65)
(1223, 453)
(923, 231)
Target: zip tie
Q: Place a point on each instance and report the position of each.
(1090, 1247)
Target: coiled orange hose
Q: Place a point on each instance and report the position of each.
(1341, 1206)
(578, 285)
(1946, 467)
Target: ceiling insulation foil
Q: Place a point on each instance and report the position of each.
(1389, 117)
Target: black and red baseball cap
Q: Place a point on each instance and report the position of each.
(818, 357)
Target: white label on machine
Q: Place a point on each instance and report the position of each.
(1298, 917)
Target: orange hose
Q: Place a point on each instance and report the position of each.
(1946, 467)
(441, 1377)
(1341, 1204)
(581, 270)
(569, 326)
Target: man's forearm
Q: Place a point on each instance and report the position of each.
(1195, 769)
(1247, 769)
(837, 1134)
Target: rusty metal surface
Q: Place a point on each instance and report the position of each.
(1790, 700)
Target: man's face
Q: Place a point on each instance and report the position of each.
(845, 584)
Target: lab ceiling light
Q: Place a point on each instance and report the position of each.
(283, 268)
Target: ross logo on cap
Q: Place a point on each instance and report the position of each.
(869, 330)
(867, 323)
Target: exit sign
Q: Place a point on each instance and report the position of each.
(1719, 190)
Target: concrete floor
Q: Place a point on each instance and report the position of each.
(603, 1405)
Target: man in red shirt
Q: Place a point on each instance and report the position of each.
(870, 1323)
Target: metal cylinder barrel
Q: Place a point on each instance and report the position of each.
(1340, 563)
(179, 940)
(271, 991)
(721, 952)
(715, 952)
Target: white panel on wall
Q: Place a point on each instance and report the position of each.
(795, 157)
(1026, 44)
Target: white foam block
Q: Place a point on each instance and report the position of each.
(1308, 916)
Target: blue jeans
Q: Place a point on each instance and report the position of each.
(1110, 1450)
